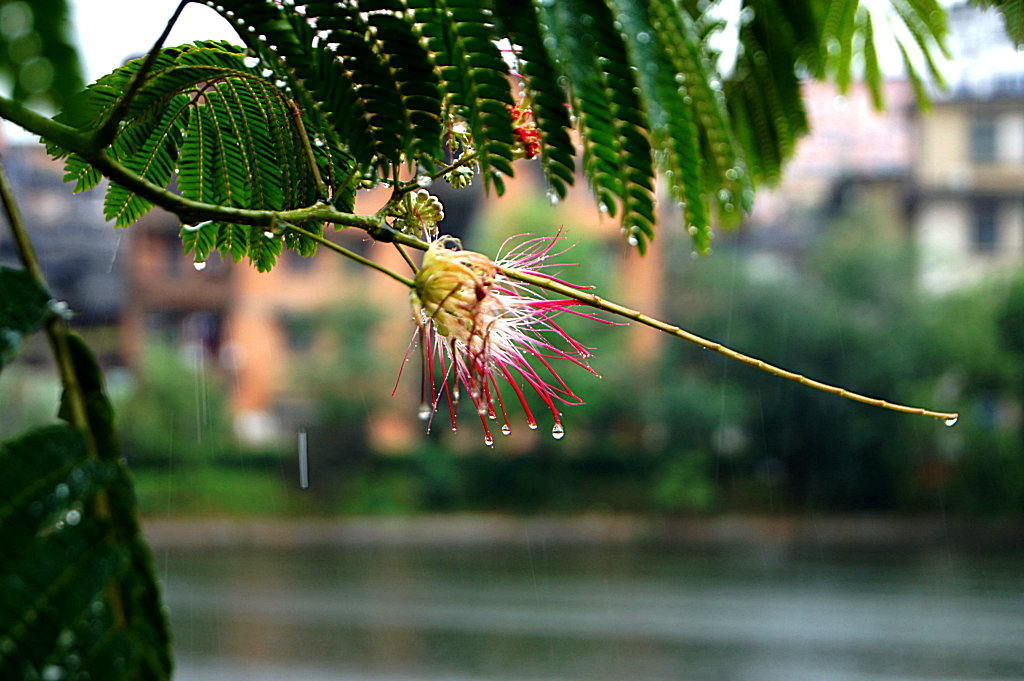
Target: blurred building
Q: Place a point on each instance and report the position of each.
(968, 173)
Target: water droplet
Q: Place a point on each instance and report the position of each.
(61, 309)
(73, 517)
(732, 174)
(488, 440)
(424, 412)
(251, 62)
(951, 421)
(424, 180)
(643, 37)
(505, 430)
(558, 432)
(632, 240)
(603, 207)
(268, 234)
(200, 265)
(553, 198)
(318, 141)
(532, 424)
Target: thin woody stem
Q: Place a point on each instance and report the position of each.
(596, 301)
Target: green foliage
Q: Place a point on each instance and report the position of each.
(78, 597)
(386, 84)
(231, 137)
(36, 52)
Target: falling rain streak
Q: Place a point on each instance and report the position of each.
(303, 461)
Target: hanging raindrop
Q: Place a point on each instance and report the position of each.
(488, 440)
(951, 421)
(424, 412)
(558, 432)
(505, 430)
(200, 265)
(251, 62)
(552, 197)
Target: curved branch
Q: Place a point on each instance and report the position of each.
(600, 303)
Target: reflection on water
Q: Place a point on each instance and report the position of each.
(541, 612)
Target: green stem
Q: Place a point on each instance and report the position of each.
(405, 256)
(330, 245)
(321, 188)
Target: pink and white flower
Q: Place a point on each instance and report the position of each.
(479, 329)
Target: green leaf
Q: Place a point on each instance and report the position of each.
(206, 113)
(65, 554)
(23, 306)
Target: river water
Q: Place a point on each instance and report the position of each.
(540, 611)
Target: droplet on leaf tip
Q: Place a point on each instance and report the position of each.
(200, 265)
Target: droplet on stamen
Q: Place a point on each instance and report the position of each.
(558, 432)
(424, 412)
(532, 424)
(488, 440)
(505, 430)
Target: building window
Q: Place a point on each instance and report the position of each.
(985, 225)
(983, 139)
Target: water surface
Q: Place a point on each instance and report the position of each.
(543, 612)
